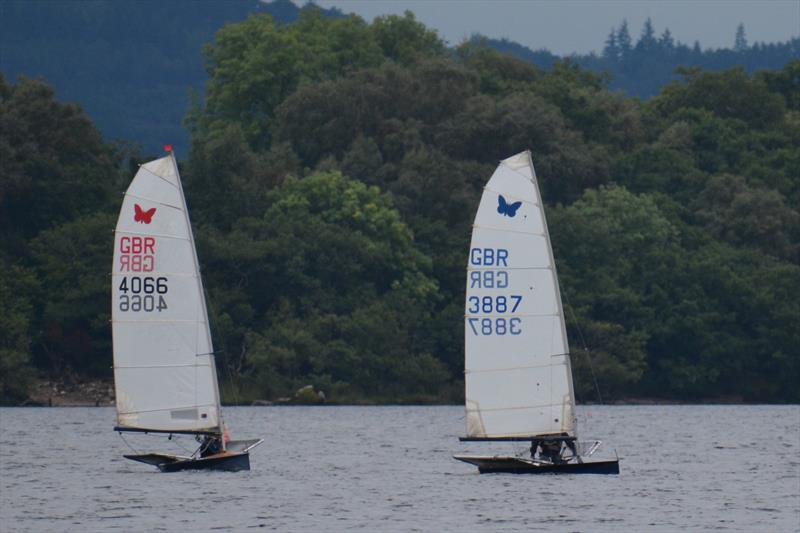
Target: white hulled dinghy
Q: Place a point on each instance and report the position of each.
(164, 371)
(518, 378)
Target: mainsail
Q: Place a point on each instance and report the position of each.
(163, 357)
(517, 367)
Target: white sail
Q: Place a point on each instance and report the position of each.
(517, 368)
(163, 357)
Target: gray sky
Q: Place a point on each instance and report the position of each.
(568, 26)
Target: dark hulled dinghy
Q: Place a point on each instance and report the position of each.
(233, 458)
(164, 370)
(518, 377)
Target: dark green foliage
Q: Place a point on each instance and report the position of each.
(18, 287)
(59, 190)
(334, 174)
(334, 292)
(72, 263)
(53, 165)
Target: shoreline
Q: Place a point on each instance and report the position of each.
(100, 393)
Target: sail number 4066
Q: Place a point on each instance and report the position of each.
(495, 326)
(146, 294)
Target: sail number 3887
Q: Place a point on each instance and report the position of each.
(146, 294)
(497, 304)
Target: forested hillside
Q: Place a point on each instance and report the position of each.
(334, 171)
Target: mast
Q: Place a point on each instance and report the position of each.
(204, 305)
(568, 361)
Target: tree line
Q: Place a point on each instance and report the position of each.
(643, 66)
(334, 171)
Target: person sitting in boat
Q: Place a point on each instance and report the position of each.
(550, 450)
(210, 445)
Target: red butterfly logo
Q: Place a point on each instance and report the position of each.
(143, 216)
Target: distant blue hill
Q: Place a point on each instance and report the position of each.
(130, 64)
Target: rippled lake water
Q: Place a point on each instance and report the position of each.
(683, 468)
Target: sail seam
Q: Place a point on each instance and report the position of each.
(520, 174)
(153, 201)
(526, 367)
(505, 230)
(519, 408)
(515, 315)
(160, 272)
(164, 235)
(478, 269)
(159, 176)
(187, 365)
(512, 196)
(156, 321)
(167, 410)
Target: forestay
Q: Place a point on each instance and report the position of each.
(517, 368)
(163, 364)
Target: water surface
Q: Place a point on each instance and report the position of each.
(683, 468)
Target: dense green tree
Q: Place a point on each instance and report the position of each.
(728, 94)
(614, 251)
(18, 286)
(53, 165)
(734, 212)
(73, 262)
(786, 82)
(342, 293)
(253, 66)
(404, 40)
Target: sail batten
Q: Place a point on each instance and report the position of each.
(517, 373)
(155, 201)
(164, 370)
(144, 233)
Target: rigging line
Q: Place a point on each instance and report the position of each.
(182, 447)
(134, 450)
(585, 348)
(213, 318)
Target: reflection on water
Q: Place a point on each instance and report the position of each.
(729, 468)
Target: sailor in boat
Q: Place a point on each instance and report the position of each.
(210, 445)
(553, 450)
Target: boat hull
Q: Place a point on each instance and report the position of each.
(227, 462)
(518, 465)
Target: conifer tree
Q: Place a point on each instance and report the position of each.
(740, 43)
(624, 39)
(611, 50)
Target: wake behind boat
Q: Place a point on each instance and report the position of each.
(518, 377)
(164, 371)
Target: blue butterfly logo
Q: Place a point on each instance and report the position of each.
(504, 208)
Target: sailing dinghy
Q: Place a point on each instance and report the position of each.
(164, 371)
(518, 378)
